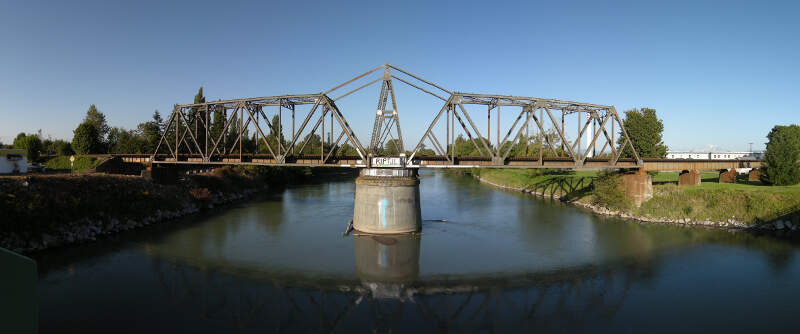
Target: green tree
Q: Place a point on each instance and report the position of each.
(272, 137)
(198, 118)
(347, 150)
(311, 142)
(98, 119)
(128, 142)
(217, 124)
(32, 144)
(463, 147)
(62, 148)
(645, 130)
(85, 139)
(424, 151)
(781, 157)
(151, 132)
(391, 147)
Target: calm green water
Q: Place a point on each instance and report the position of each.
(503, 262)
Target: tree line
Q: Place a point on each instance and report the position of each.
(645, 130)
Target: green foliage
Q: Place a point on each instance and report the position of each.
(423, 151)
(608, 192)
(645, 131)
(150, 133)
(272, 138)
(57, 147)
(347, 149)
(199, 120)
(123, 141)
(464, 147)
(392, 147)
(98, 120)
(85, 139)
(781, 157)
(217, 124)
(31, 144)
(312, 143)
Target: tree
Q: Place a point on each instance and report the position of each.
(85, 139)
(198, 118)
(311, 142)
(217, 125)
(151, 132)
(98, 119)
(347, 150)
(645, 131)
(781, 157)
(128, 141)
(391, 147)
(272, 137)
(62, 148)
(31, 144)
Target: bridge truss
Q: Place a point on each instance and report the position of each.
(538, 135)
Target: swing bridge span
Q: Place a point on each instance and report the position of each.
(538, 135)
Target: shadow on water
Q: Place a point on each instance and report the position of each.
(389, 295)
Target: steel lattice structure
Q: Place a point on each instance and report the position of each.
(190, 137)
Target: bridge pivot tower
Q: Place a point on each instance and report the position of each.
(385, 119)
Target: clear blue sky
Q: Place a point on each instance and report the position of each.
(718, 73)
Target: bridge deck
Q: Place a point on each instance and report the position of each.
(458, 162)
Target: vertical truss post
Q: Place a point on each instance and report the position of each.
(562, 131)
(447, 133)
(497, 148)
(541, 142)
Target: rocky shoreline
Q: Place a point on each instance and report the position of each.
(87, 230)
(729, 224)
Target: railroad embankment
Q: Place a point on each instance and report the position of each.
(749, 205)
(40, 212)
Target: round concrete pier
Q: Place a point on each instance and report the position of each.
(387, 201)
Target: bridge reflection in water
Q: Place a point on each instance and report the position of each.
(389, 295)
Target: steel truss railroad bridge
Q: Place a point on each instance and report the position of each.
(190, 137)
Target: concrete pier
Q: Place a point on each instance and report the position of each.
(387, 201)
(727, 176)
(754, 175)
(638, 185)
(689, 178)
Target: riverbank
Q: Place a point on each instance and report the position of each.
(46, 211)
(742, 205)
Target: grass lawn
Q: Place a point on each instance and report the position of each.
(62, 162)
(744, 201)
(705, 176)
(572, 184)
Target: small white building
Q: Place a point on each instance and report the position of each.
(13, 161)
(714, 155)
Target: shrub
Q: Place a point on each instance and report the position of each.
(608, 192)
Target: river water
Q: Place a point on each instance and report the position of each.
(501, 262)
